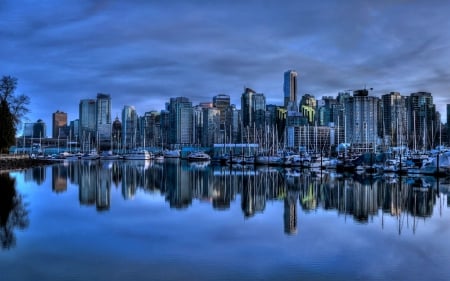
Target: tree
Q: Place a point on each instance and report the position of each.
(17, 103)
(7, 128)
(12, 109)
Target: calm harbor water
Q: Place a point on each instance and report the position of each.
(135, 220)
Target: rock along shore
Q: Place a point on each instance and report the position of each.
(10, 162)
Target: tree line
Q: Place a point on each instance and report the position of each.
(13, 108)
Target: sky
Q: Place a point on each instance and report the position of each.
(144, 52)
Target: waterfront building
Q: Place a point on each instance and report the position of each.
(421, 115)
(164, 127)
(88, 122)
(180, 121)
(103, 118)
(448, 124)
(394, 119)
(59, 124)
(308, 106)
(116, 133)
(247, 107)
(233, 124)
(211, 127)
(150, 124)
(129, 127)
(74, 129)
(290, 89)
(259, 110)
(325, 111)
(361, 124)
(36, 130)
(222, 102)
(197, 126)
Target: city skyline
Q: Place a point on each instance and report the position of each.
(144, 54)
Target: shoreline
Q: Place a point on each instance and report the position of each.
(9, 163)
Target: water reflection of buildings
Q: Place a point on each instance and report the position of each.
(94, 184)
(59, 178)
(36, 174)
(360, 198)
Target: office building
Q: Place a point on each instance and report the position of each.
(394, 119)
(290, 90)
(421, 120)
(88, 122)
(361, 124)
(103, 120)
(181, 121)
(129, 127)
(59, 124)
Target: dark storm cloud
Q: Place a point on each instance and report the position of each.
(144, 52)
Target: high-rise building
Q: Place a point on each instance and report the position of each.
(325, 111)
(307, 106)
(394, 119)
(247, 107)
(221, 102)
(181, 121)
(59, 124)
(448, 124)
(88, 119)
(211, 126)
(253, 108)
(361, 125)
(421, 115)
(103, 121)
(233, 125)
(290, 90)
(259, 110)
(116, 133)
(129, 127)
(35, 130)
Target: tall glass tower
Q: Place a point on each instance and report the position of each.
(129, 127)
(290, 90)
(103, 122)
(181, 121)
(88, 119)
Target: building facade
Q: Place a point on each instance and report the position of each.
(290, 89)
(59, 124)
(361, 125)
(103, 117)
(181, 121)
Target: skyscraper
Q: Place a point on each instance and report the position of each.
(308, 107)
(394, 119)
(421, 115)
(247, 107)
(103, 121)
(290, 90)
(259, 110)
(448, 124)
(129, 127)
(211, 126)
(59, 124)
(88, 119)
(181, 115)
(361, 125)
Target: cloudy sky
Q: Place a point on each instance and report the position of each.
(143, 52)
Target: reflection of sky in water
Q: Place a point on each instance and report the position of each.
(143, 238)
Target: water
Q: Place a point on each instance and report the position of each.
(173, 220)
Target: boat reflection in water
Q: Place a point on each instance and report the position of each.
(181, 182)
